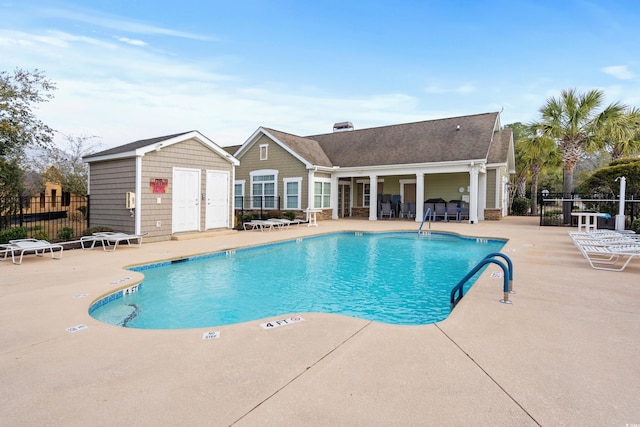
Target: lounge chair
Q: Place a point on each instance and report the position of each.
(612, 258)
(286, 222)
(38, 247)
(404, 210)
(109, 238)
(259, 224)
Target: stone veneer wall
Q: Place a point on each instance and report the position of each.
(493, 214)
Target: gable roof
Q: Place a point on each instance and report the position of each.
(144, 146)
(501, 150)
(452, 139)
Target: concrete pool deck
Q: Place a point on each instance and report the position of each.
(566, 352)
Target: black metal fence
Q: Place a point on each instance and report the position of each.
(52, 218)
(556, 210)
(256, 204)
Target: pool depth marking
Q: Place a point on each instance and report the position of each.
(282, 322)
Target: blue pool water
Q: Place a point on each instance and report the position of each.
(397, 278)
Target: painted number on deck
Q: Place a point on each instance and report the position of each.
(281, 322)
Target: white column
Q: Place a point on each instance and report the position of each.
(419, 197)
(310, 191)
(335, 188)
(473, 194)
(482, 195)
(373, 197)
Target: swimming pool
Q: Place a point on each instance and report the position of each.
(398, 278)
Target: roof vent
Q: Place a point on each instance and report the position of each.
(342, 126)
(457, 127)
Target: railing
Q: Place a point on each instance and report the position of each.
(556, 210)
(457, 292)
(53, 218)
(256, 203)
(427, 214)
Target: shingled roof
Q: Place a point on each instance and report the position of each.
(432, 141)
(132, 146)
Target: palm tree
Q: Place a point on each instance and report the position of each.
(574, 120)
(538, 152)
(622, 137)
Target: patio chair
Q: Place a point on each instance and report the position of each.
(464, 211)
(404, 210)
(452, 211)
(440, 211)
(432, 210)
(385, 210)
(412, 211)
(38, 247)
(109, 238)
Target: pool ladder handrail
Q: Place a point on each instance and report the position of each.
(490, 258)
(426, 214)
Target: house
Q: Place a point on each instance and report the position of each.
(468, 158)
(162, 186)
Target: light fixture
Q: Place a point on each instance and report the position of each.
(461, 189)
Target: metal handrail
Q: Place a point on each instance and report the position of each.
(507, 274)
(424, 219)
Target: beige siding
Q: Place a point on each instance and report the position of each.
(492, 202)
(159, 165)
(278, 159)
(446, 186)
(110, 181)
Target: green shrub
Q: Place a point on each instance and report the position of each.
(13, 234)
(96, 229)
(83, 210)
(520, 206)
(289, 215)
(66, 233)
(40, 235)
(247, 217)
(635, 225)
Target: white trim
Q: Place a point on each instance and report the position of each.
(323, 181)
(266, 151)
(285, 181)
(138, 185)
(260, 172)
(166, 143)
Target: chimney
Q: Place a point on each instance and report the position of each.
(342, 126)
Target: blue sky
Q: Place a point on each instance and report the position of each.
(128, 70)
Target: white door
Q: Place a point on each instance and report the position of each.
(186, 200)
(217, 214)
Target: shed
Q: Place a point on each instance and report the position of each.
(162, 187)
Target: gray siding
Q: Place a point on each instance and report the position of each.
(109, 184)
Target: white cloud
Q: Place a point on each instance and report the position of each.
(619, 71)
(117, 23)
(132, 42)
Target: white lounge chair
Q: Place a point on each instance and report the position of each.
(286, 222)
(613, 257)
(38, 247)
(110, 239)
(259, 224)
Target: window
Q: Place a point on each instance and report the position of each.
(322, 193)
(264, 151)
(367, 195)
(263, 189)
(292, 196)
(238, 194)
